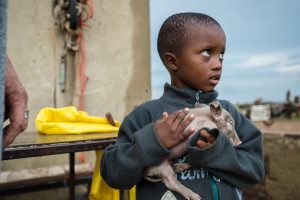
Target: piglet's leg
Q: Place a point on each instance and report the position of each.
(179, 167)
(169, 178)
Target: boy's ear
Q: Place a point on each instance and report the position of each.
(170, 61)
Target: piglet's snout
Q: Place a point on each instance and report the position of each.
(236, 142)
(234, 138)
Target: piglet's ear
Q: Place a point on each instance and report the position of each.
(215, 108)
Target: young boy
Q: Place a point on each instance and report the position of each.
(192, 47)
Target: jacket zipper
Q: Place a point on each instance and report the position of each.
(197, 98)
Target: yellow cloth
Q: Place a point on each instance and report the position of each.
(100, 190)
(68, 120)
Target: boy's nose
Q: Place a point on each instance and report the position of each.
(217, 64)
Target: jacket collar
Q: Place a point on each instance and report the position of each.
(187, 96)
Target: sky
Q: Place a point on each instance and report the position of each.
(262, 58)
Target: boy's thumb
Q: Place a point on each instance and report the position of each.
(165, 115)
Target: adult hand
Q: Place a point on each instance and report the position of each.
(15, 105)
(170, 129)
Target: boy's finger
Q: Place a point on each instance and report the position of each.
(210, 139)
(181, 116)
(164, 116)
(186, 122)
(187, 133)
(202, 144)
(173, 116)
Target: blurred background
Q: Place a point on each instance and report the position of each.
(262, 58)
(122, 69)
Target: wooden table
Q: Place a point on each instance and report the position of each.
(33, 144)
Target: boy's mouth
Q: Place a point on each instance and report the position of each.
(214, 80)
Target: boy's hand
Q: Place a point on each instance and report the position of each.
(170, 128)
(205, 139)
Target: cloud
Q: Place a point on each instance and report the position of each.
(289, 69)
(288, 58)
(260, 60)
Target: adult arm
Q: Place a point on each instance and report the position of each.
(15, 105)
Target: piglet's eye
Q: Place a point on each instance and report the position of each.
(206, 53)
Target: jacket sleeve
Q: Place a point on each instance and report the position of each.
(137, 147)
(243, 166)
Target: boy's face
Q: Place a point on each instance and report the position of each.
(198, 65)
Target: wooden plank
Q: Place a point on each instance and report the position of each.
(34, 150)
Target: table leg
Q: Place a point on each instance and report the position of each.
(72, 176)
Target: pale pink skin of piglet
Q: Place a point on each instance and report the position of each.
(209, 117)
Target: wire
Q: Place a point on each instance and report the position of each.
(81, 59)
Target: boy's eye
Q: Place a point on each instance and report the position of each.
(206, 53)
(222, 56)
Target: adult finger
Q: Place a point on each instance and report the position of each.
(12, 130)
(9, 134)
(18, 117)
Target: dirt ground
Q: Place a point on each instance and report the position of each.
(281, 156)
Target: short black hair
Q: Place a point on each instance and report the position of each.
(172, 33)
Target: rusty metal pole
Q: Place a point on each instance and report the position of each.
(72, 176)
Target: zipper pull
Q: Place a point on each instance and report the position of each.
(197, 99)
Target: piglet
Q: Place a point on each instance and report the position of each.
(208, 116)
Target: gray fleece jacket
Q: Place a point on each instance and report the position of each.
(219, 170)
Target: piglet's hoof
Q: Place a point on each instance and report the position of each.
(192, 196)
(195, 197)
